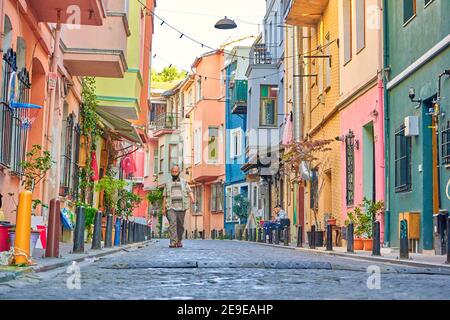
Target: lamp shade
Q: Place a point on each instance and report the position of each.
(225, 24)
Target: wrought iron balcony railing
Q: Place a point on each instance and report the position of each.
(167, 121)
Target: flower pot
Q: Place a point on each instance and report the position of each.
(368, 244)
(331, 222)
(358, 244)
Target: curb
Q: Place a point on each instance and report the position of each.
(410, 263)
(11, 275)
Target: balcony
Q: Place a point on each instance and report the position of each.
(165, 123)
(306, 12)
(92, 12)
(98, 51)
(260, 54)
(238, 97)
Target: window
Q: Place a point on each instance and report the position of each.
(269, 106)
(173, 155)
(213, 144)
(198, 146)
(236, 143)
(146, 163)
(69, 166)
(402, 161)
(8, 67)
(347, 11)
(155, 161)
(19, 130)
(199, 89)
(409, 10)
(161, 159)
(229, 205)
(350, 168)
(216, 197)
(446, 144)
(198, 197)
(360, 17)
(427, 2)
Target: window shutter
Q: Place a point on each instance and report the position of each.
(347, 30)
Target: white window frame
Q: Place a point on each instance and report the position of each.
(198, 146)
(236, 134)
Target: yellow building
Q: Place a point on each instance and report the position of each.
(320, 92)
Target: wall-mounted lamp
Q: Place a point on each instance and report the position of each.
(340, 138)
(412, 96)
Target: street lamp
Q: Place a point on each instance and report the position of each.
(225, 24)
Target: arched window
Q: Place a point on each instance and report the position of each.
(8, 34)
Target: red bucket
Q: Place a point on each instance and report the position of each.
(4, 238)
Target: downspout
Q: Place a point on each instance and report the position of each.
(307, 91)
(50, 138)
(380, 143)
(298, 85)
(386, 128)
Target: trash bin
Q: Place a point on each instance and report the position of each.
(440, 232)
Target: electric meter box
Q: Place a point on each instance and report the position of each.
(411, 126)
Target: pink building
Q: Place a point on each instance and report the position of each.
(361, 104)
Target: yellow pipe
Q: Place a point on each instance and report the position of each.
(23, 229)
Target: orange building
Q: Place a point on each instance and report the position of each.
(208, 135)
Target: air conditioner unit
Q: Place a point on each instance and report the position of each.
(411, 126)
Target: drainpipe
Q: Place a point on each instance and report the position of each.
(298, 84)
(380, 146)
(386, 128)
(307, 92)
(52, 180)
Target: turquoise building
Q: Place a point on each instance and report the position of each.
(417, 116)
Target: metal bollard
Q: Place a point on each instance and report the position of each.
(312, 243)
(376, 246)
(108, 234)
(270, 231)
(448, 240)
(212, 235)
(246, 234)
(124, 232)
(195, 234)
(350, 247)
(54, 229)
(286, 236)
(97, 236)
(404, 241)
(300, 236)
(129, 232)
(117, 232)
(78, 235)
(277, 236)
(203, 235)
(329, 237)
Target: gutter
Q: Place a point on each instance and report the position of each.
(387, 213)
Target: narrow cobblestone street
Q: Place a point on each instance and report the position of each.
(228, 270)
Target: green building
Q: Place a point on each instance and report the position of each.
(417, 115)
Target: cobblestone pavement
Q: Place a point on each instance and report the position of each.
(227, 270)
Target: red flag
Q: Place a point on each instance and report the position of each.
(128, 164)
(95, 175)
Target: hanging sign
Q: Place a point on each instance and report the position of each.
(52, 80)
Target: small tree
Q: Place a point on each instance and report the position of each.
(302, 155)
(128, 201)
(35, 167)
(110, 188)
(155, 198)
(240, 206)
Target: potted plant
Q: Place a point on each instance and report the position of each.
(363, 218)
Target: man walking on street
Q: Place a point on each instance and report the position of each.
(177, 194)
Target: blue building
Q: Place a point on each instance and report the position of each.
(265, 111)
(236, 123)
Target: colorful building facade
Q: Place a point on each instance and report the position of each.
(417, 55)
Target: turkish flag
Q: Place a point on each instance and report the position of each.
(128, 164)
(94, 166)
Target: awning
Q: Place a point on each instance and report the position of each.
(119, 126)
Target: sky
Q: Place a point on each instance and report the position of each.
(196, 18)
